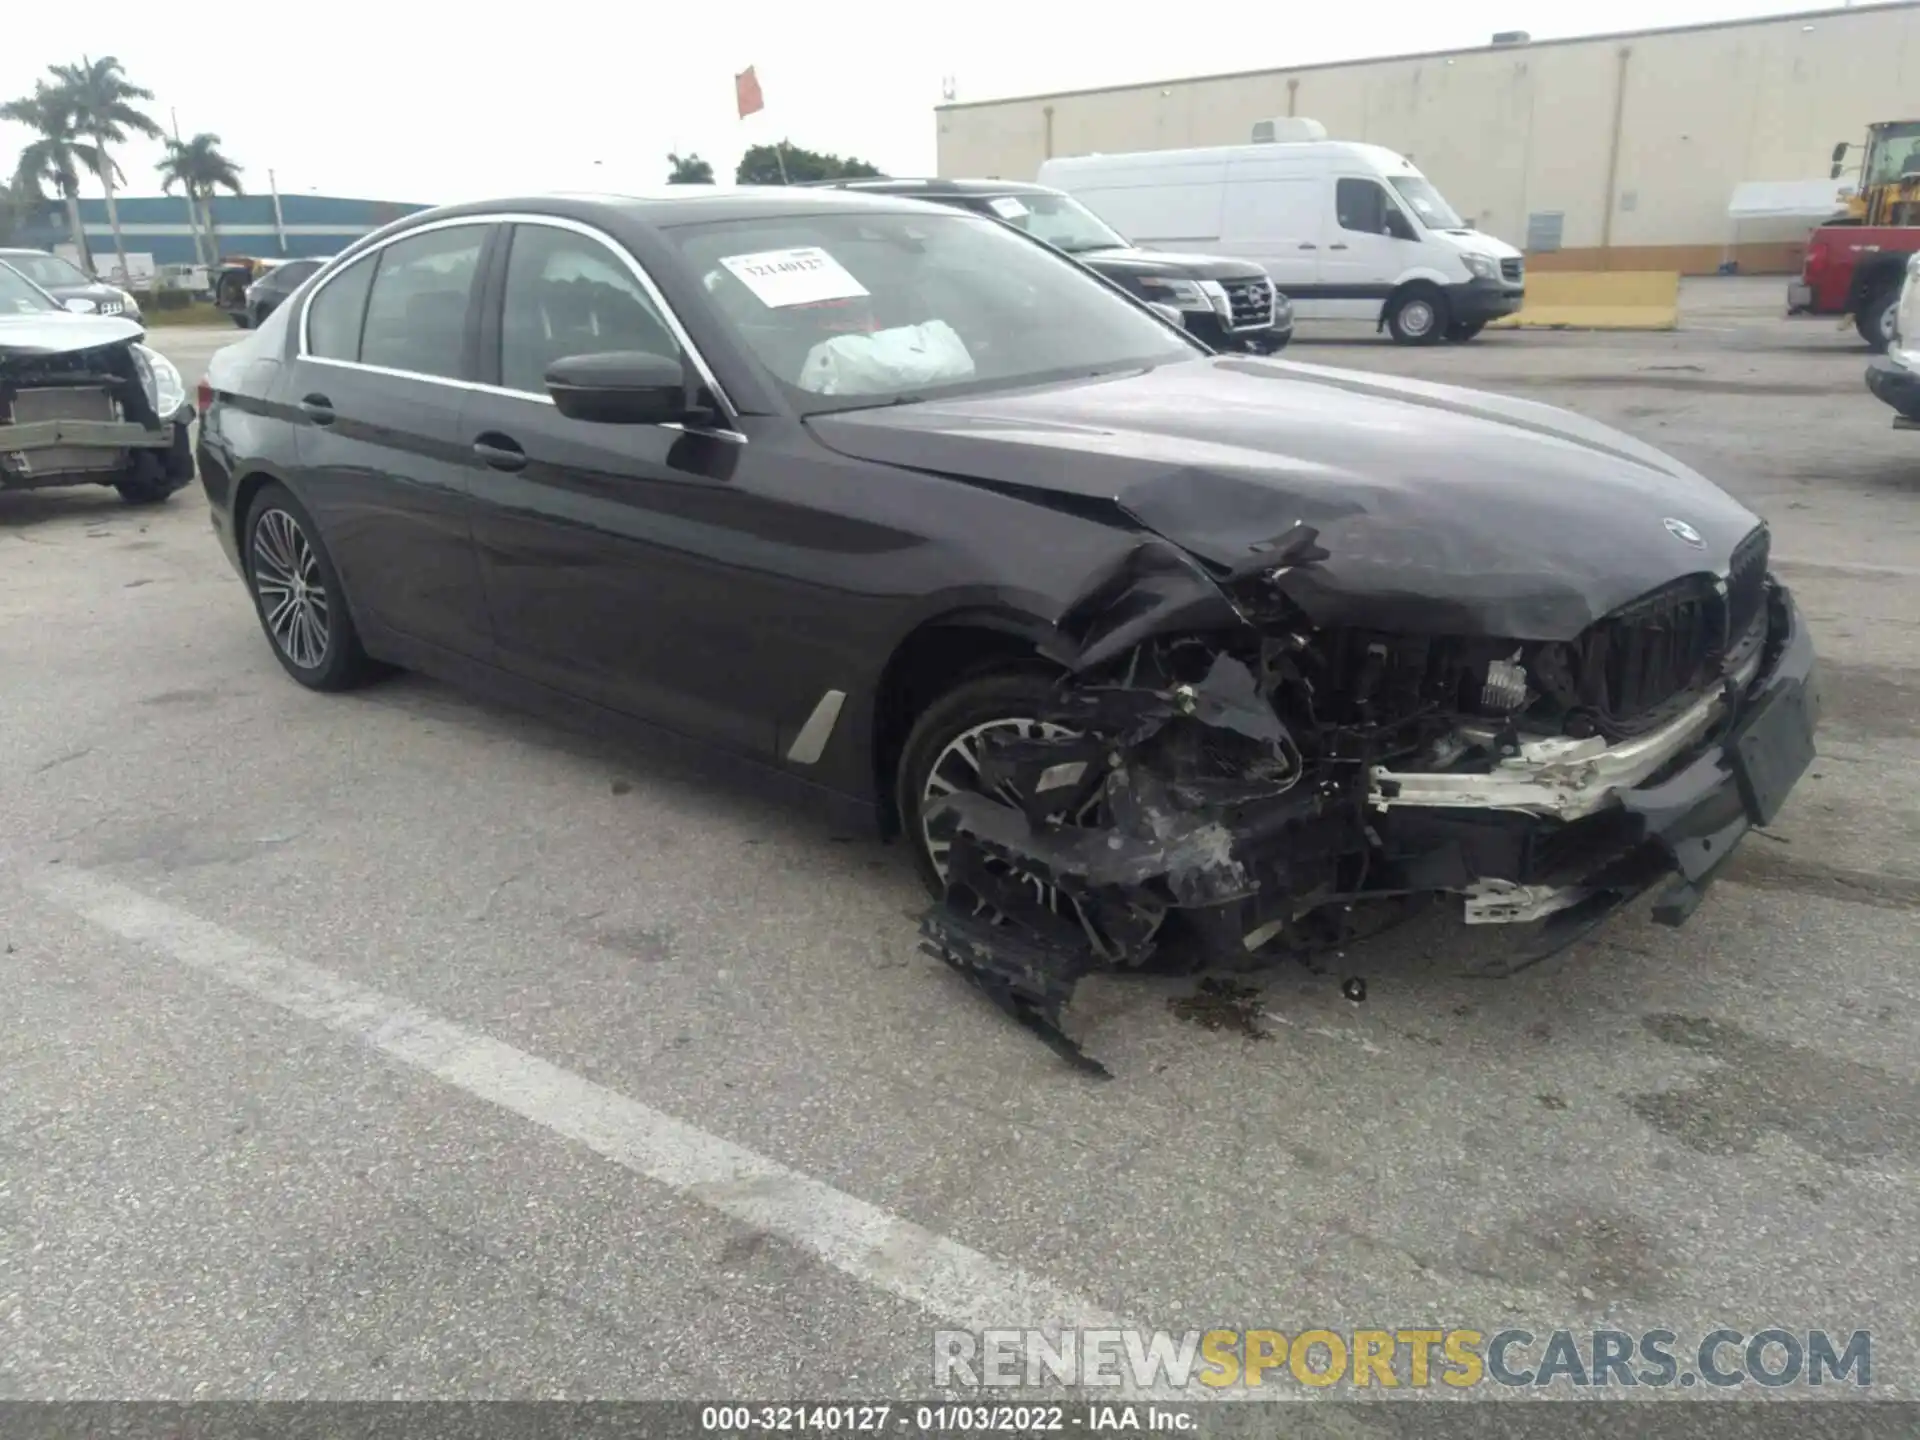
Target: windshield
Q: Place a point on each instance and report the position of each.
(1427, 203)
(1896, 151)
(1060, 220)
(849, 311)
(18, 297)
(48, 270)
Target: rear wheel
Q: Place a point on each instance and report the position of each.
(1874, 319)
(298, 595)
(1418, 316)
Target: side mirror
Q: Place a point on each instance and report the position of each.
(1839, 153)
(1834, 174)
(622, 387)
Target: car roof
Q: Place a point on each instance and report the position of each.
(929, 185)
(672, 205)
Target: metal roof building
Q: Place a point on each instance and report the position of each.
(255, 225)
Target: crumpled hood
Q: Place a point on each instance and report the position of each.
(1444, 511)
(58, 332)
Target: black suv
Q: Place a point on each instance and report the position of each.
(1226, 304)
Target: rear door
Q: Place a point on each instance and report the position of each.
(385, 358)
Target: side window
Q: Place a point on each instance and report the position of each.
(334, 315)
(1362, 206)
(417, 309)
(568, 294)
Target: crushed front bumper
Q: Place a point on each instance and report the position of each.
(46, 453)
(1597, 827)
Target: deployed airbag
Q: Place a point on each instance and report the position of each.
(887, 361)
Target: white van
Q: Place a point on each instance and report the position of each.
(1350, 232)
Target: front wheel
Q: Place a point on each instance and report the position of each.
(1418, 317)
(298, 595)
(942, 756)
(1875, 318)
(144, 491)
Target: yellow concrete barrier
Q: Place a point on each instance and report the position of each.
(1598, 300)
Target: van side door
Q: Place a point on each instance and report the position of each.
(1277, 218)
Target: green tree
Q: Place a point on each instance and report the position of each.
(106, 110)
(786, 164)
(198, 168)
(56, 156)
(689, 170)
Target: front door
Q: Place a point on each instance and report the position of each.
(381, 370)
(599, 543)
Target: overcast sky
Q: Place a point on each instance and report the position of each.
(415, 102)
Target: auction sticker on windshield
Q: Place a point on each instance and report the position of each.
(804, 276)
(1008, 208)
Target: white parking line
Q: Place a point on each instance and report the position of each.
(961, 1286)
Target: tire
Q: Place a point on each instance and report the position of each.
(1418, 316)
(1459, 333)
(287, 565)
(242, 321)
(145, 492)
(1874, 319)
(1001, 696)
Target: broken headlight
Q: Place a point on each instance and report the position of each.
(166, 391)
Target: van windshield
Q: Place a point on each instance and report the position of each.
(1428, 203)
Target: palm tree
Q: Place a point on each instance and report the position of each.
(198, 167)
(104, 106)
(689, 170)
(56, 156)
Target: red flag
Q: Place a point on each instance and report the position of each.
(746, 92)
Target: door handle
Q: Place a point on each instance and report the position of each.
(317, 408)
(1308, 245)
(499, 453)
(1340, 246)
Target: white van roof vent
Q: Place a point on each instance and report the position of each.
(1512, 37)
(1292, 129)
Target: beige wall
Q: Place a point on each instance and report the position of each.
(1505, 132)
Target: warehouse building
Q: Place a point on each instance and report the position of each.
(1604, 152)
(262, 226)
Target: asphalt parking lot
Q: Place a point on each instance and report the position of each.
(398, 1045)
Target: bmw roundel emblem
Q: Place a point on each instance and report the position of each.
(1685, 533)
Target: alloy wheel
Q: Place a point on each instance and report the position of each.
(292, 594)
(957, 769)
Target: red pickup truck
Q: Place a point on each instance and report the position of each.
(1855, 270)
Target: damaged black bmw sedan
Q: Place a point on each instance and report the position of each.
(1126, 639)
